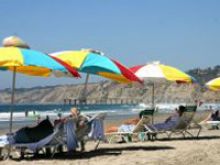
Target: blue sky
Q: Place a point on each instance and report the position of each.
(181, 33)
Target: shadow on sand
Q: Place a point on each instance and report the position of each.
(189, 138)
(99, 152)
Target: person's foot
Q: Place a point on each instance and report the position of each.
(82, 149)
(71, 152)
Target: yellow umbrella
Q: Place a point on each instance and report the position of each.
(214, 84)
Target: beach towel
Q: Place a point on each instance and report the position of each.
(71, 138)
(167, 125)
(35, 145)
(97, 130)
(126, 128)
(4, 140)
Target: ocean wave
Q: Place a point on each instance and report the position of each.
(30, 112)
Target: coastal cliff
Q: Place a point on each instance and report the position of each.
(165, 92)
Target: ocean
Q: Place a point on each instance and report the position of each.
(24, 114)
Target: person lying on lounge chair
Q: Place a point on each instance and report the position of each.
(130, 129)
(171, 121)
(213, 116)
(127, 126)
(212, 121)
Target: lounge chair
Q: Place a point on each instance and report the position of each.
(137, 130)
(63, 135)
(210, 124)
(181, 127)
(23, 147)
(96, 130)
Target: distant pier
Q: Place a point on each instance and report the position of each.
(109, 101)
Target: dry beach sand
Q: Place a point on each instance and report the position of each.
(202, 151)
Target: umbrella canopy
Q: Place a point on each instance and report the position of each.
(34, 63)
(214, 84)
(94, 63)
(159, 71)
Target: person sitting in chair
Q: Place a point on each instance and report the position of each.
(82, 126)
(213, 116)
(213, 120)
(171, 121)
(127, 126)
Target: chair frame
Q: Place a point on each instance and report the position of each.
(147, 114)
(181, 128)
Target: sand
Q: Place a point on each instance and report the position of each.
(202, 151)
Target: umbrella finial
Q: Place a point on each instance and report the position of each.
(14, 41)
(93, 51)
(156, 62)
(153, 62)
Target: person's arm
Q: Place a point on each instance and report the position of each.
(207, 118)
(171, 116)
(168, 119)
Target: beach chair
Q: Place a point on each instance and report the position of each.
(181, 127)
(138, 130)
(50, 143)
(23, 147)
(4, 152)
(96, 130)
(210, 125)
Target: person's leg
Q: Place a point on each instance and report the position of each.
(60, 148)
(160, 126)
(112, 129)
(82, 145)
(1, 153)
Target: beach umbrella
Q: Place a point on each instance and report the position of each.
(93, 62)
(31, 62)
(155, 71)
(90, 62)
(214, 84)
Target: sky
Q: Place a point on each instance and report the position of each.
(181, 33)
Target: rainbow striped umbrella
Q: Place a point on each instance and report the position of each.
(30, 62)
(34, 63)
(94, 63)
(214, 84)
(155, 71)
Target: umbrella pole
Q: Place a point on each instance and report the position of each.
(12, 99)
(153, 86)
(11, 107)
(85, 87)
